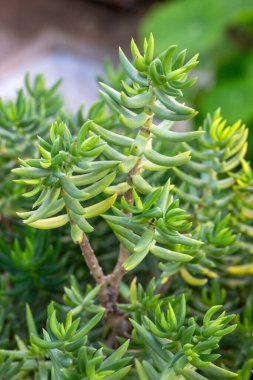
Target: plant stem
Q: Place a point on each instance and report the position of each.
(119, 271)
(109, 292)
(91, 261)
(94, 267)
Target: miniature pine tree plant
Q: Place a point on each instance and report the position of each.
(122, 164)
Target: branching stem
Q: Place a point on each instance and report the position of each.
(110, 284)
(95, 268)
(119, 270)
(91, 261)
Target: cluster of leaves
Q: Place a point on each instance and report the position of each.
(213, 188)
(32, 271)
(162, 332)
(34, 268)
(21, 120)
(177, 345)
(107, 176)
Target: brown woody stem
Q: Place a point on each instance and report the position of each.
(91, 261)
(94, 267)
(109, 284)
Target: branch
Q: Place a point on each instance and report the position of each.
(95, 269)
(91, 261)
(119, 271)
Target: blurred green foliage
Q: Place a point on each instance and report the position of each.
(222, 32)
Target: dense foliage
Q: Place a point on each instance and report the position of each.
(136, 237)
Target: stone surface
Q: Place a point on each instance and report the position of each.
(61, 38)
(55, 59)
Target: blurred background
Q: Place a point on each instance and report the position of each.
(67, 38)
(70, 38)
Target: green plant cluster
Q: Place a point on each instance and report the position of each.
(21, 121)
(152, 226)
